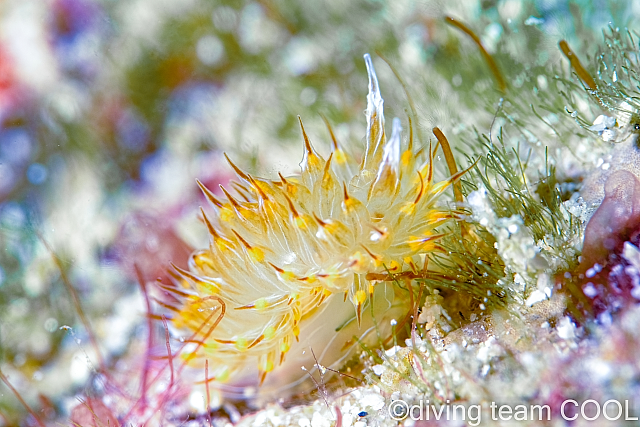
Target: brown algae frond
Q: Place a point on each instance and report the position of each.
(311, 260)
(583, 74)
(497, 74)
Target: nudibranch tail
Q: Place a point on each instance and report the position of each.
(298, 260)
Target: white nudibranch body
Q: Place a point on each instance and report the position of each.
(310, 261)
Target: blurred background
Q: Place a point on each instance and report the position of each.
(109, 111)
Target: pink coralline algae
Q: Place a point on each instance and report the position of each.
(607, 273)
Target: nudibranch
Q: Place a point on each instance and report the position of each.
(310, 262)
